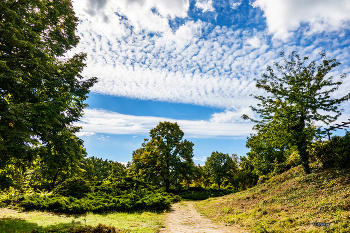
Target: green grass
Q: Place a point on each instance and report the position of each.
(14, 221)
(289, 202)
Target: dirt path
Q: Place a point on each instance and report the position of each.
(183, 218)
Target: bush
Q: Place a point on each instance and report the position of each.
(334, 153)
(74, 187)
(200, 193)
(100, 202)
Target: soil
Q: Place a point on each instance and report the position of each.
(183, 218)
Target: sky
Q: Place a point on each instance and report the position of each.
(195, 62)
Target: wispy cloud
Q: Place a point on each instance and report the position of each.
(231, 116)
(106, 122)
(85, 133)
(103, 138)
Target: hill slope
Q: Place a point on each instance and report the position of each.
(289, 202)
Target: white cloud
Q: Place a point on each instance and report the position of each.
(254, 42)
(115, 16)
(285, 16)
(205, 5)
(103, 138)
(203, 158)
(106, 122)
(186, 34)
(196, 64)
(189, 30)
(235, 5)
(80, 134)
(230, 116)
(216, 71)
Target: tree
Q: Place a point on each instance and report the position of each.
(60, 158)
(164, 158)
(40, 95)
(97, 169)
(296, 97)
(220, 167)
(270, 149)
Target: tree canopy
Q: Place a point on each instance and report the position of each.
(298, 95)
(220, 167)
(166, 157)
(41, 95)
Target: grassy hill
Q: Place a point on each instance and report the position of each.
(289, 202)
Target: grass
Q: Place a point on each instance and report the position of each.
(15, 221)
(289, 202)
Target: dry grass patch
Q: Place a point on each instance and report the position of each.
(289, 202)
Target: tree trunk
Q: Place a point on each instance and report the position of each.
(167, 185)
(304, 155)
(53, 183)
(302, 146)
(167, 176)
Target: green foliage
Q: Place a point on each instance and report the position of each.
(97, 169)
(245, 177)
(296, 94)
(266, 152)
(166, 158)
(334, 153)
(99, 203)
(40, 95)
(200, 193)
(220, 167)
(5, 182)
(128, 194)
(73, 187)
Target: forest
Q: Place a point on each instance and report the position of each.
(44, 165)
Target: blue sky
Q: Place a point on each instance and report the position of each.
(194, 62)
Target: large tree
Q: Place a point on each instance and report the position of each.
(40, 94)
(220, 167)
(298, 95)
(164, 158)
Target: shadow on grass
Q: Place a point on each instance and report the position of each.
(12, 225)
(17, 225)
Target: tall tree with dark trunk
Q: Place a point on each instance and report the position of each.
(296, 96)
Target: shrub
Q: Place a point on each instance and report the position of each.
(333, 153)
(74, 187)
(100, 202)
(200, 193)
